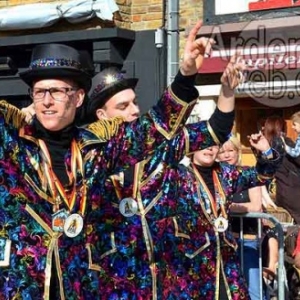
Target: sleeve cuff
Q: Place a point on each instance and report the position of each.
(222, 123)
(184, 87)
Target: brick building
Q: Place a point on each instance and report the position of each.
(134, 14)
(132, 47)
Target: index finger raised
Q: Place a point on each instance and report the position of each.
(234, 57)
(193, 33)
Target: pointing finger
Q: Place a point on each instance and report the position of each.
(193, 33)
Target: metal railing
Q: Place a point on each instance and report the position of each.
(281, 274)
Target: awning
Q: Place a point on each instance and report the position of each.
(272, 75)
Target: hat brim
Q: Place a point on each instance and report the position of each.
(115, 88)
(99, 101)
(82, 78)
(102, 97)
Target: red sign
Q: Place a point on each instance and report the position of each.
(271, 4)
(223, 7)
(261, 59)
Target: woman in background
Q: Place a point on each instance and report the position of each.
(287, 177)
(246, 201)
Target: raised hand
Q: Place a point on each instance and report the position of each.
(194, 51)
(29, 112)
(233, 74)
(259, 142)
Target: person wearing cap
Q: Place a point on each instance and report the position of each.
(139, 201)
(141, 215)
(112, 95)
(53, 173)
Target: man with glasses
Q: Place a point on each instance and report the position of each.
(57, 93)
(53, 173)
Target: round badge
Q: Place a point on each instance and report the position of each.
(73, 225)
(221, 224)
(128, 207)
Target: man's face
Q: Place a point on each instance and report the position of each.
(122, 104)
(56, 109)
(206, 157)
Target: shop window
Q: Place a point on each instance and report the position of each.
(250, 116)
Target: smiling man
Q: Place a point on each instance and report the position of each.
(56, 103)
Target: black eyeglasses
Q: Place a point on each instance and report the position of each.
(57, 93)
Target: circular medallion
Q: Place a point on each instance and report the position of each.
(73, 225)
(221, 224)
(128, 207)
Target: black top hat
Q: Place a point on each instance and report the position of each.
(58, 61)
(106, 84)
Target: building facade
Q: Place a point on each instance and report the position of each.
(127, 39)
(266, 34)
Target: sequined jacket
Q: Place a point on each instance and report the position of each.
(27, 240)
(202, 254)
(170, 249)
(129, 253)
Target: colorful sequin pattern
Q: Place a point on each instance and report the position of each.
(107, 81)
(26, 207)
(203, 251)
(170, 249)
(54, 62)
(133, 254)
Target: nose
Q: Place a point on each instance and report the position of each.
(48, 99)
(135, 110)
(226, 154)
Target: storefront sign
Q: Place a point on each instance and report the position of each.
(228, 11)
(272, 57)
(223, 7)
(272, 74)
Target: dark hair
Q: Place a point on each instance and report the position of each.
(274, 127)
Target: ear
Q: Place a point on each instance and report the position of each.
(101, 114)
(80, 97)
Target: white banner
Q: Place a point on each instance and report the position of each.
(40, 15)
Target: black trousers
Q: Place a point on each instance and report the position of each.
(54, 286)
(222, 293)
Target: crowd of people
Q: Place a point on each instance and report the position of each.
(130, 206)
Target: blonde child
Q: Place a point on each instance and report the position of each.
(295, 151)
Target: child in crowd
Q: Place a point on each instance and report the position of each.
(295, 151)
